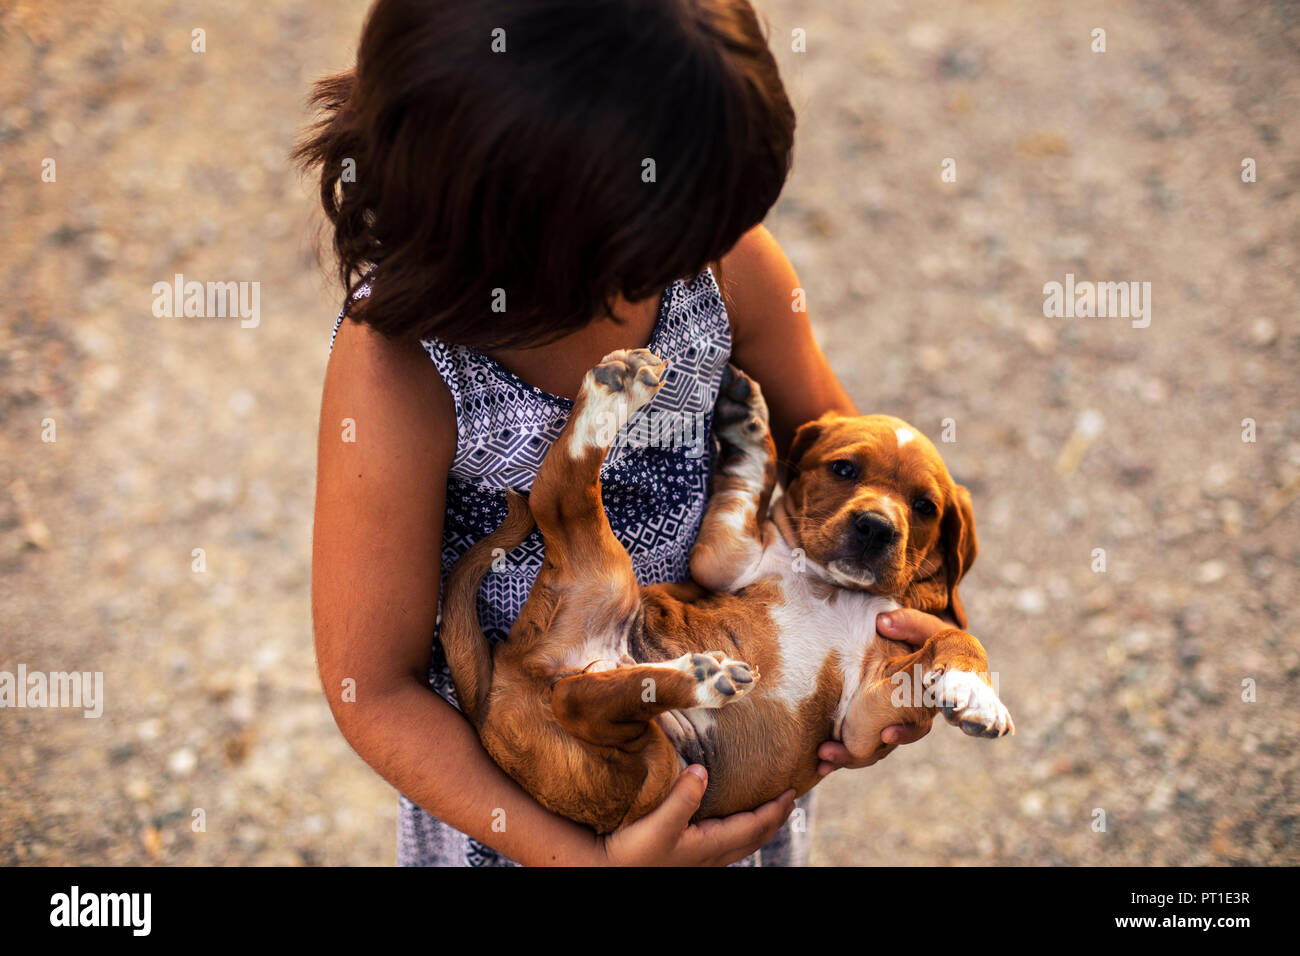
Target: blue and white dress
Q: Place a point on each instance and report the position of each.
(654, 491)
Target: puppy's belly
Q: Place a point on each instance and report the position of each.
(761, 746)
(754, 751)
(692, 733)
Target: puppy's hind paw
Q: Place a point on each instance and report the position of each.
(633, 374)
(719, 679)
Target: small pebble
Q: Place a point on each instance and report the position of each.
(1263, 332)
(1031, 601)
(1211, 572)
(182, 762)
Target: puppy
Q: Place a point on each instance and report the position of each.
(605, 690)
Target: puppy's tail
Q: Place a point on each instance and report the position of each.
(469, 656)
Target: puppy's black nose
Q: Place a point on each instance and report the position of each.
(875, 532)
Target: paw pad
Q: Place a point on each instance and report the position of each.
(740, 415)
(721, 679)
(625, 369)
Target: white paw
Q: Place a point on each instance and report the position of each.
(623, 382)
(719, 679)
(969, 703)
(633, 375)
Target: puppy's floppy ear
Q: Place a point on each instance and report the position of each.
(960, 547)
(957, 546)
(804, 439)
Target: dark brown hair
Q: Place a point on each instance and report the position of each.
(522, 170)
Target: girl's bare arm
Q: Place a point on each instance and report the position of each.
(774, 343)
(376, 559)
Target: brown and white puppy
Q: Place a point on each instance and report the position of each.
(605, 690)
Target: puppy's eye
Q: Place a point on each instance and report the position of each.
(843, 469)
(925, 507)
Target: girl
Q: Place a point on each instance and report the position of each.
(516, 188)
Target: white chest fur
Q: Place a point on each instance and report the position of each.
(810, 627)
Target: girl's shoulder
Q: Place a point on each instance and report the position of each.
(386, 388)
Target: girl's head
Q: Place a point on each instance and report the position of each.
(554, 153)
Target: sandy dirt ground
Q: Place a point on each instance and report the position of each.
(1158, 695)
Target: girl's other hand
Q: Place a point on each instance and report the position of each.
(666, 836)
(910, 627)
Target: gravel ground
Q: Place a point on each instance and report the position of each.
(1073, 434)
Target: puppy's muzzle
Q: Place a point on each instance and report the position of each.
(874, 533)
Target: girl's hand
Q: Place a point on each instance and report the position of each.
(910, 627)
(666, 836)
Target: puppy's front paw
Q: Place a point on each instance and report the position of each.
(740, 415)
(969, 703)
(719, 679)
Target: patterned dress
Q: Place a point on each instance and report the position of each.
(655, 484)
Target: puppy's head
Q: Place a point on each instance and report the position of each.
(871, 500)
